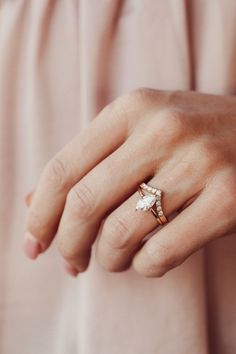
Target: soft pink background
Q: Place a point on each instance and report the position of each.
(60, 62)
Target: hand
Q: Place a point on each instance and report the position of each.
(181, 142)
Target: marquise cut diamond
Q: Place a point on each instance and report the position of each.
(146, 202)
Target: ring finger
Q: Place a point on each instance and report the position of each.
(125, 228)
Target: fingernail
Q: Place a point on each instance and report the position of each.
(32, 247)
(71, 269)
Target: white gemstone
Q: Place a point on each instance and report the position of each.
(159, 208)
(149, 189)
(146, 202)
(153, 190)
(160, 213)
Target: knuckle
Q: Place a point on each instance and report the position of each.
(212, 156)
(124, 108)
(208, 150)
(141, 95)
(117, 110)
(205, 148)
(132, 100)
(81, 201)
(169, 126)
(176, 120)
(56, 174)
(142, 98)
(116, 232)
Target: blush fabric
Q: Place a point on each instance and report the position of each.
(61, 61)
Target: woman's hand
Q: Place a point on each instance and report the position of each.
(181, 142)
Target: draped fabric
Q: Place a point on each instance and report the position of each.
(61, 61)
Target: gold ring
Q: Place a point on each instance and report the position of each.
(151, 201)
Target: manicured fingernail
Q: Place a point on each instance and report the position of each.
(32, 247)
(70, 269)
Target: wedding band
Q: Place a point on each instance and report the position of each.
(151, 201)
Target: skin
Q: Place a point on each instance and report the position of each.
(181, 142)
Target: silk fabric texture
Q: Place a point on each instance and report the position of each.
(60, 63)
